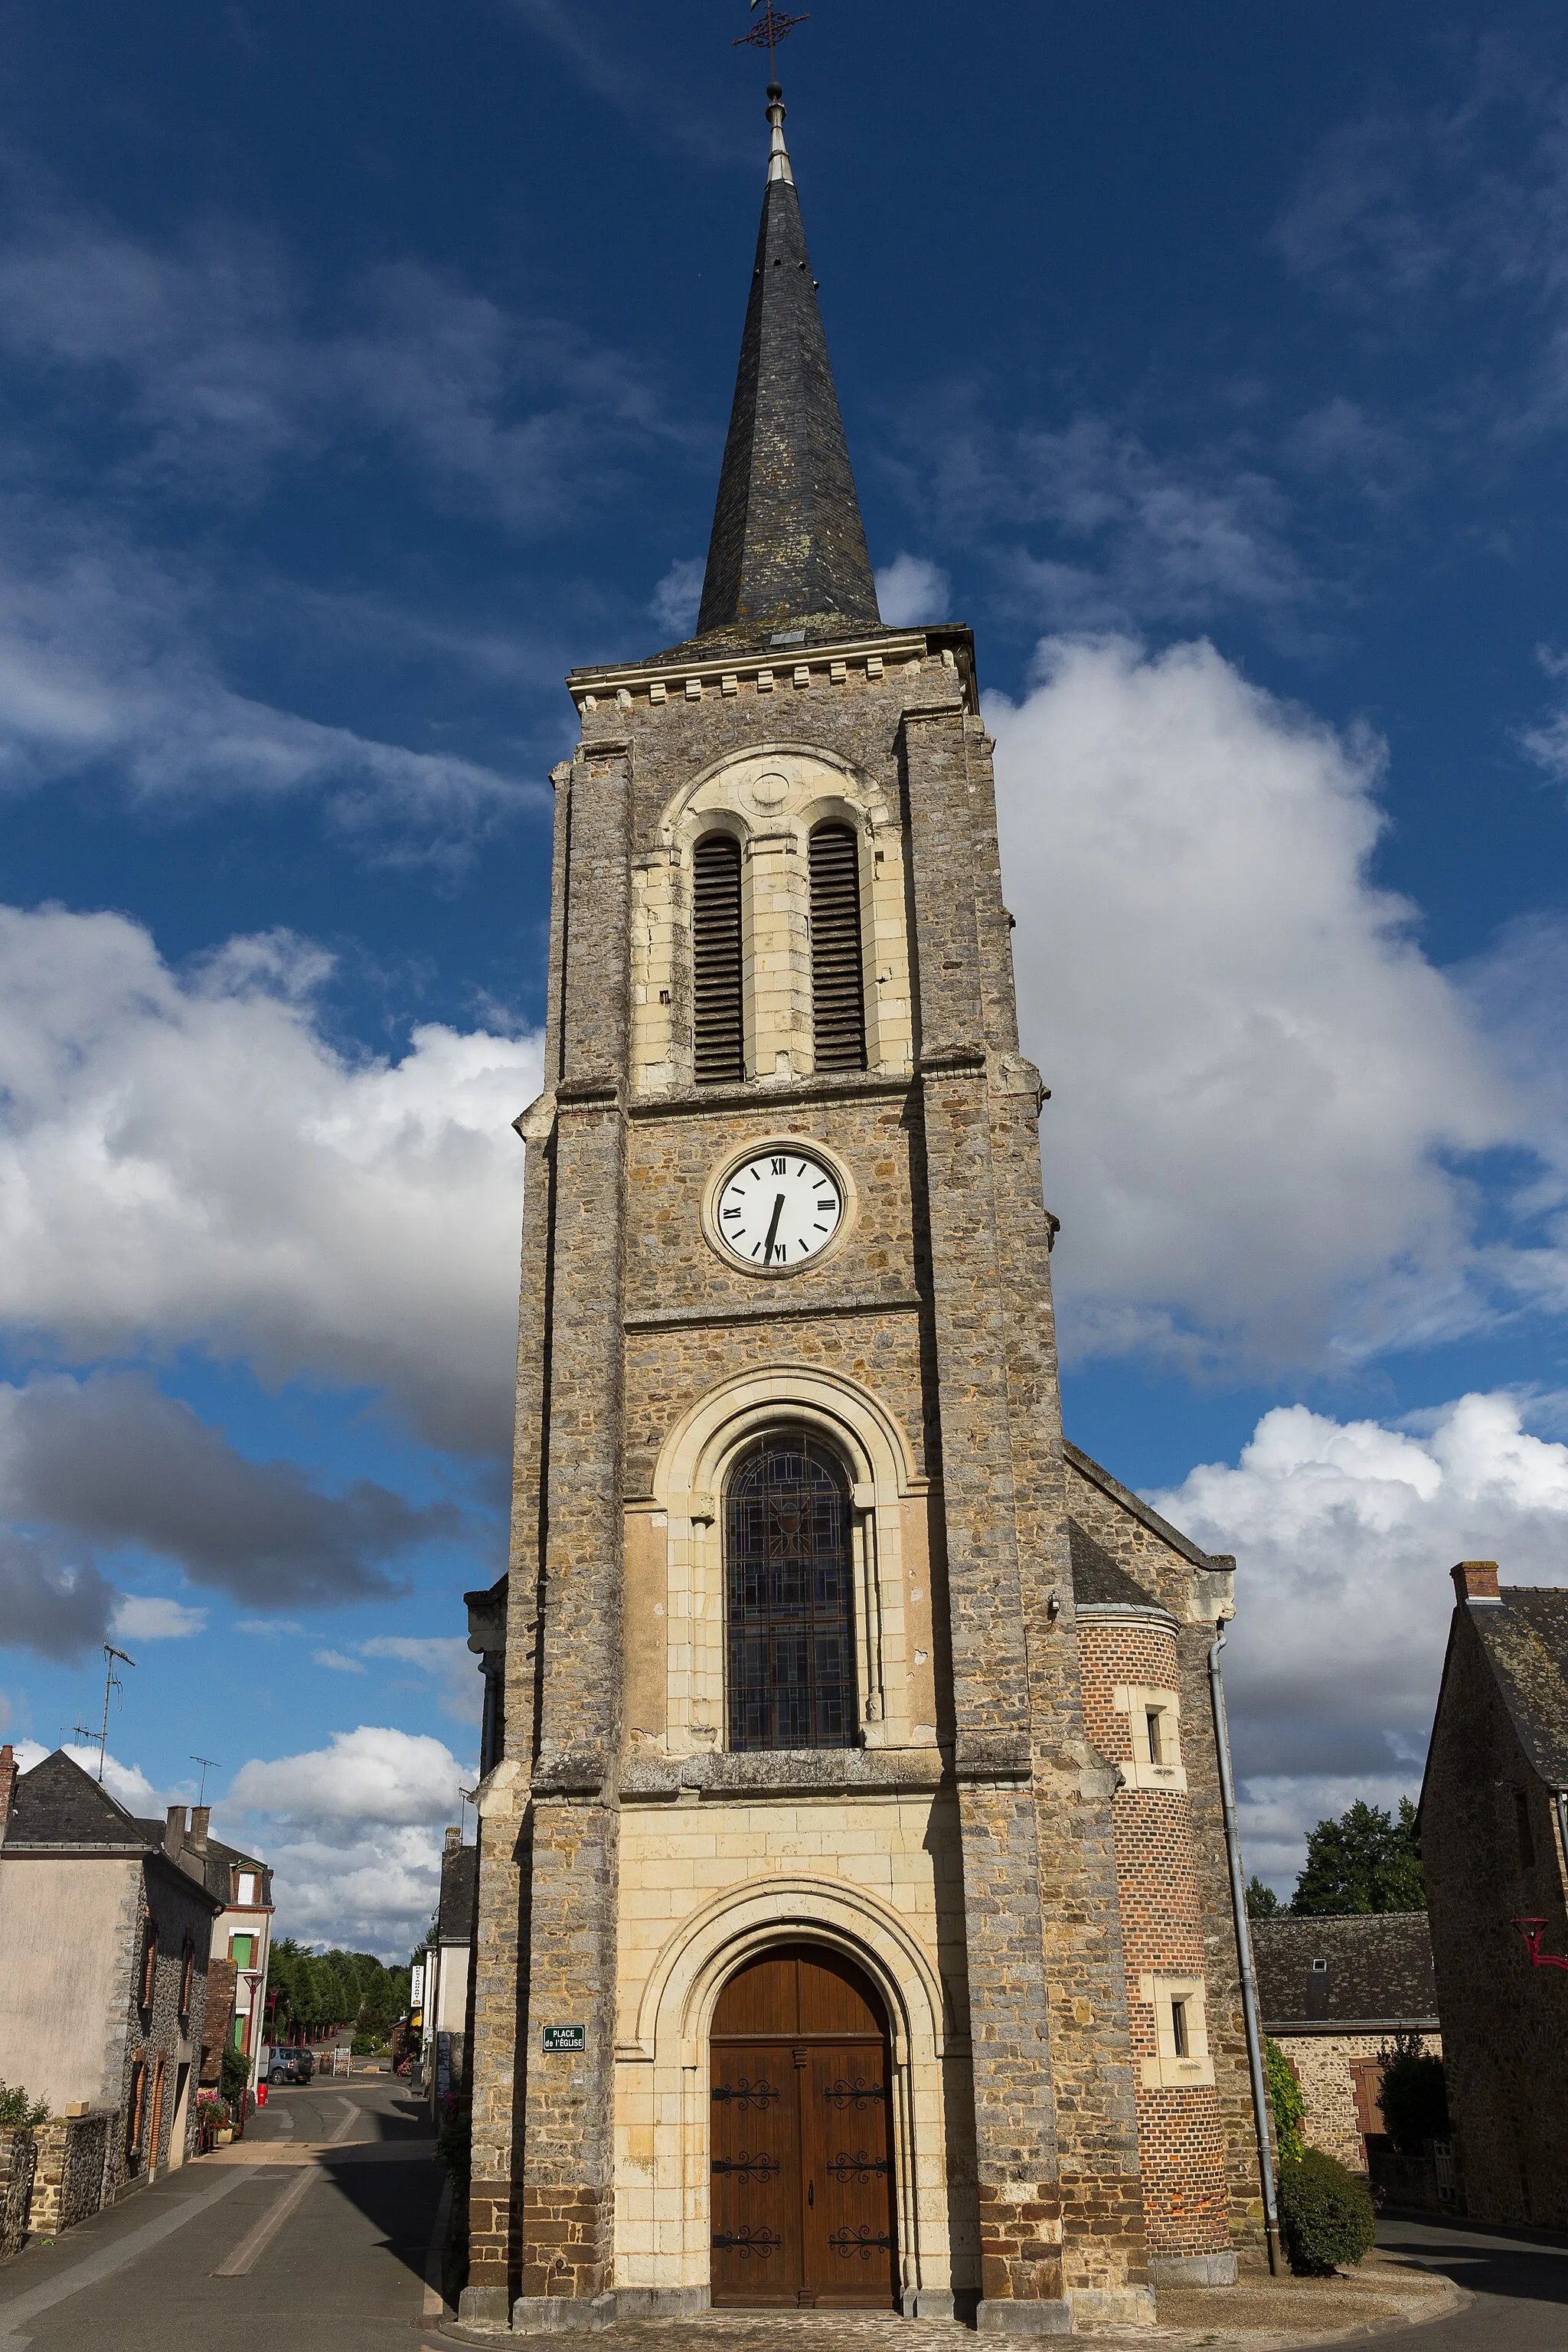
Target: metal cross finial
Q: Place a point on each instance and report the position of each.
(771, 28)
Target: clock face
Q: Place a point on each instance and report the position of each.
(779, 1209)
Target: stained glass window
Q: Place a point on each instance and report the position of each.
(790, 1585)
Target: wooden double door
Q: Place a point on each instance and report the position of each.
(802, 2138)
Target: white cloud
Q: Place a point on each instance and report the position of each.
(126, 1783)
(337, 1662)
(354, 1835)
(201, 347)
(1260, 1085)
(187, 1161)
(147, 1617)
(677, 597)
(911, 589)
(447, 1658)
(395, 1778)
(101, 663)
(1343, 1534)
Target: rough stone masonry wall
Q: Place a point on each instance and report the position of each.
(1322, 2064)
(1505, 2023)
(1167, 1577)
(67, 2186)
(18, 2156)
(1180, 2137)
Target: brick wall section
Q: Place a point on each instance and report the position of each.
(1505, 2023)
(1179, 2128)
(1124, 1552)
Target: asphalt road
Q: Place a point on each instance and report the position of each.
(325, 2255)
(1518, 2278)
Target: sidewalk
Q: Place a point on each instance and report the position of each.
(1259, 2315)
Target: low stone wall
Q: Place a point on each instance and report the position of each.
(18, 2156)
(69, 2184)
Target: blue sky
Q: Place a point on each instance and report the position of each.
(363, 369)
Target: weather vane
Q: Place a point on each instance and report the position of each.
(771, 28)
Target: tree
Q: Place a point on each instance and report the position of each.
(1287, 2102)
(1366, 1860)
(1415, 2093)
(1262, 1903)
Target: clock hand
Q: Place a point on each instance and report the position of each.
(768, 1245)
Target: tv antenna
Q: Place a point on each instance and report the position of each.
(771, 28)
(111, 1683)
(208, 1764)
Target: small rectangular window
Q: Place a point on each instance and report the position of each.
(1156, 1751)
(149, 1964)
(187, 1971)
(838, 980)
(1179, 2027)
(249, 1886)
(1523, 1831)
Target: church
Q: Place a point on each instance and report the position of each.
(855, 1922)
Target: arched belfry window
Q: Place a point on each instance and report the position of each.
(838, 986)
(790, 1578)
(719, 1017)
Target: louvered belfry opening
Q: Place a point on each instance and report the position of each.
(718, 1015)
(838, 984)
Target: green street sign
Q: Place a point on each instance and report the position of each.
(565, 2037)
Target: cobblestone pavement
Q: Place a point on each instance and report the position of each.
(1261, 2314)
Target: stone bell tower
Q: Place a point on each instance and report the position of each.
(802, 1974)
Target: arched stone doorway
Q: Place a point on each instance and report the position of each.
(801, 2140)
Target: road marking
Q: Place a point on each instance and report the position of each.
(435, 2301)
(109, 2259)
(254, 2245)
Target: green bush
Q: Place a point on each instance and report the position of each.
(1288, 2102)
(365, 2045)
(17, 2109)
(1325, 2214)
(1414, 2094)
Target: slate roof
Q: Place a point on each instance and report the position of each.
(58, 1805)
(1379, 1973)
(788, 547)
(459, 1911)
(1525, 1639)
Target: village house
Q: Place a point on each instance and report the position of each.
(1494, 1811)
(105, 1931)
(448, 1970)
(1334, 1992)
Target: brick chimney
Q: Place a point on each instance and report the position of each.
(1476, 1579)
(200, 1816)
(174, 1830)
(453, 1840)
(8, 1784)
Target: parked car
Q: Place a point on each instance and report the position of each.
(288, 2065)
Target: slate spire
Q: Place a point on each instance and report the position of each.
(788, 543)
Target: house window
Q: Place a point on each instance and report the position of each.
(1522, 1830)
(187, 1971)
(242, 1951)
(718, 1010)
(789, 1577)
(249, 1886)
(1181, 2057)
(149, 1965)
(135, 2108)
(1154, 1721)
(838, 984)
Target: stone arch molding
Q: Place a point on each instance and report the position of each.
(674, 2021)
(769, 798)
(688, 1489)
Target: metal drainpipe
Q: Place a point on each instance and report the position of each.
(1244, 1952)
